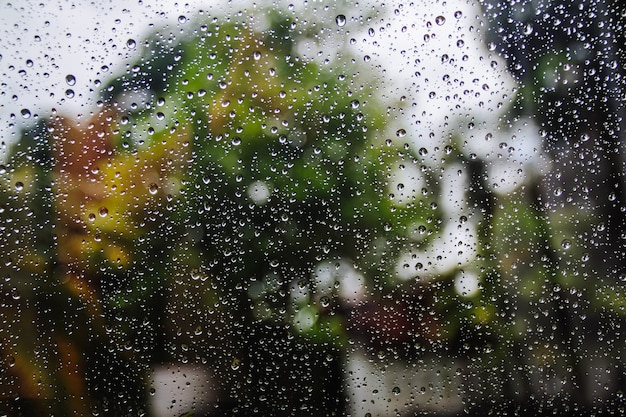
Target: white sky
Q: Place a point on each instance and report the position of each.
(41, 43)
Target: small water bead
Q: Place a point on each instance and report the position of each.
(103, 211)
(153, 188)
(131, 44)
(566, 244)
(528, 29)
(340, 20)
(25, 113)
(70, 79)
(440, 20)
(400, 133)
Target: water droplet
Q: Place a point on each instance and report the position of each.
(458, 14)
(423, 151)
(131, 44)
(235, 364)
(528, 29)
(566, 244)
(11, 361)
(70, 79)
(324, 302)
(182, 19)
(25, 113)
(103, 211)
(440, 20)
(400, 133)
(69, 93)
(19, 186)
(15, 294)
(432, 94)
(153, 189)
(256, 55)
(340, 20)
(396, 390)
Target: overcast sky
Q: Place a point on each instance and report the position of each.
(48, 48)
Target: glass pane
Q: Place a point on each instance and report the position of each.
(326, 208)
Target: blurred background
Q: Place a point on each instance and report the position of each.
(327, 208)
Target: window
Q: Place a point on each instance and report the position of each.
(326, 208)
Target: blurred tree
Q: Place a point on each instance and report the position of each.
(183, 221)
(567, 268)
